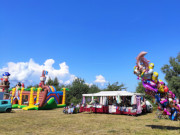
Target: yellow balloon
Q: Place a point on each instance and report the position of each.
(155, 77)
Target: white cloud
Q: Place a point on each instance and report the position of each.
(67, 82)
(89, 84)
(100, 79)
(30, 72)
(61, 81)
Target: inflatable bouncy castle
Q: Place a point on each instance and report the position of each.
(167, 102)
(43, 97)
(4, 86)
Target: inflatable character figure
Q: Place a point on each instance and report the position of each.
(137, 71)
(161, 86)
(5, 78)
(155, 77)
(142, 62)
(148, 74)
(16, 96)
(142, 65)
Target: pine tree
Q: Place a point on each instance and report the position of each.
(50, 82)
(56, 82)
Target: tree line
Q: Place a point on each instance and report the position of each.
(79, 87)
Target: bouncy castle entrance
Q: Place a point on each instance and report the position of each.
(15, 101)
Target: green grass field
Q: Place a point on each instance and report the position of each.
(55, 122)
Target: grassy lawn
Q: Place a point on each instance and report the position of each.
(55, 122)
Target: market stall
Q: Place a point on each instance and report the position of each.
(114, 102)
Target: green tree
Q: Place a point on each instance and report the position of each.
(74, 100)
(50, 82)
(172, 74)
(63, 86)
(77, 88)
(94, 89)
(56, 82)
(68, 97)
(30, 86)
(115, 87)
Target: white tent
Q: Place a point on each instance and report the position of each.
(112, 93)
(112, 107)
(104, 94)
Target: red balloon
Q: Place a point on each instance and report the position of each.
(166, 89)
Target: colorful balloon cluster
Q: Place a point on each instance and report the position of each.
(166, 99)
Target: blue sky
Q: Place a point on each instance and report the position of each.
(93, 37)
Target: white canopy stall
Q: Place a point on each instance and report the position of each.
(115, 95)
(104, 94)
